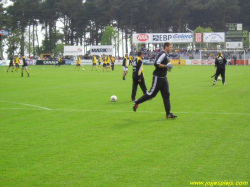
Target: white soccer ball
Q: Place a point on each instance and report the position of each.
(219, 78)
(83, 69)
(113, 98)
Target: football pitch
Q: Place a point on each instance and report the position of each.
(59, 128)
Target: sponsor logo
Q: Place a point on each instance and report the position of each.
(102, 50)
(214, 37)
(142, 37)
(182, 36)
(49, 62)
(210, 61)
(79, 50)
(195, 62)
(162, 37)
(198, 37)
(72, 52)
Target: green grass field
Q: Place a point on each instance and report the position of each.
(60, 129)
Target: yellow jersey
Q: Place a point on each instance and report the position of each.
(108, 60)
(113, 60)
(125, 62)
(60, 60)
(130, 57)
(17, 60)
(94, 60)
(100, 59)
(79, 60)
(104, 59)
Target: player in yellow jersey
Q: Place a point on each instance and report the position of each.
(113, 63)
(179, 61)
(94, 63)
(78, 63)
(104, 63)
(125, 66)
(59, 62)
(99, 61)
(17, 63)
(130, 59)
(108, 63)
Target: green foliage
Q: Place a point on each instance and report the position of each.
(109, 35)
(45, 47)
(85, 23)
(59, 49)
(202, 30)
(246, 42)
(13, 43)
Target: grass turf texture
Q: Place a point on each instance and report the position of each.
(87, 140)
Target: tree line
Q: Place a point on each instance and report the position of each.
(84, 22)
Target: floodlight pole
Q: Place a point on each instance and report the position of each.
(192, 33)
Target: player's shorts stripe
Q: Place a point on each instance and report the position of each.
(153, 87)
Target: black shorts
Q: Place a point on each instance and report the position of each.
(17, 65)
(108, 64)
(11, 65)
(104, 65)
(99, 63)
(94, 64)
(78, 64)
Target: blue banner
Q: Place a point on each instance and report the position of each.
(4, 32)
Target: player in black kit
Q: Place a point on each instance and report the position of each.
(160, 82)
(138, 76)
(220, 63)
(25, 66)
(11, 64)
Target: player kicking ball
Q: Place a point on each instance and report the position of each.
(160, 82)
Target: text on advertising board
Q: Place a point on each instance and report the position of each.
(162, 37)
(102, 50)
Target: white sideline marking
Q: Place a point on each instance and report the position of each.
(76, 110)
(27, 105)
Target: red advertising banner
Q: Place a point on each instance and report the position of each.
(198, 37)
(240, 62)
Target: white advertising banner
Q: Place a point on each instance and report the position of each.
(163, 37)
(214, 37)
(101, 49)
(182, 38)
(73, 50)
(4, 62)
(234, 45)
(142, 38)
